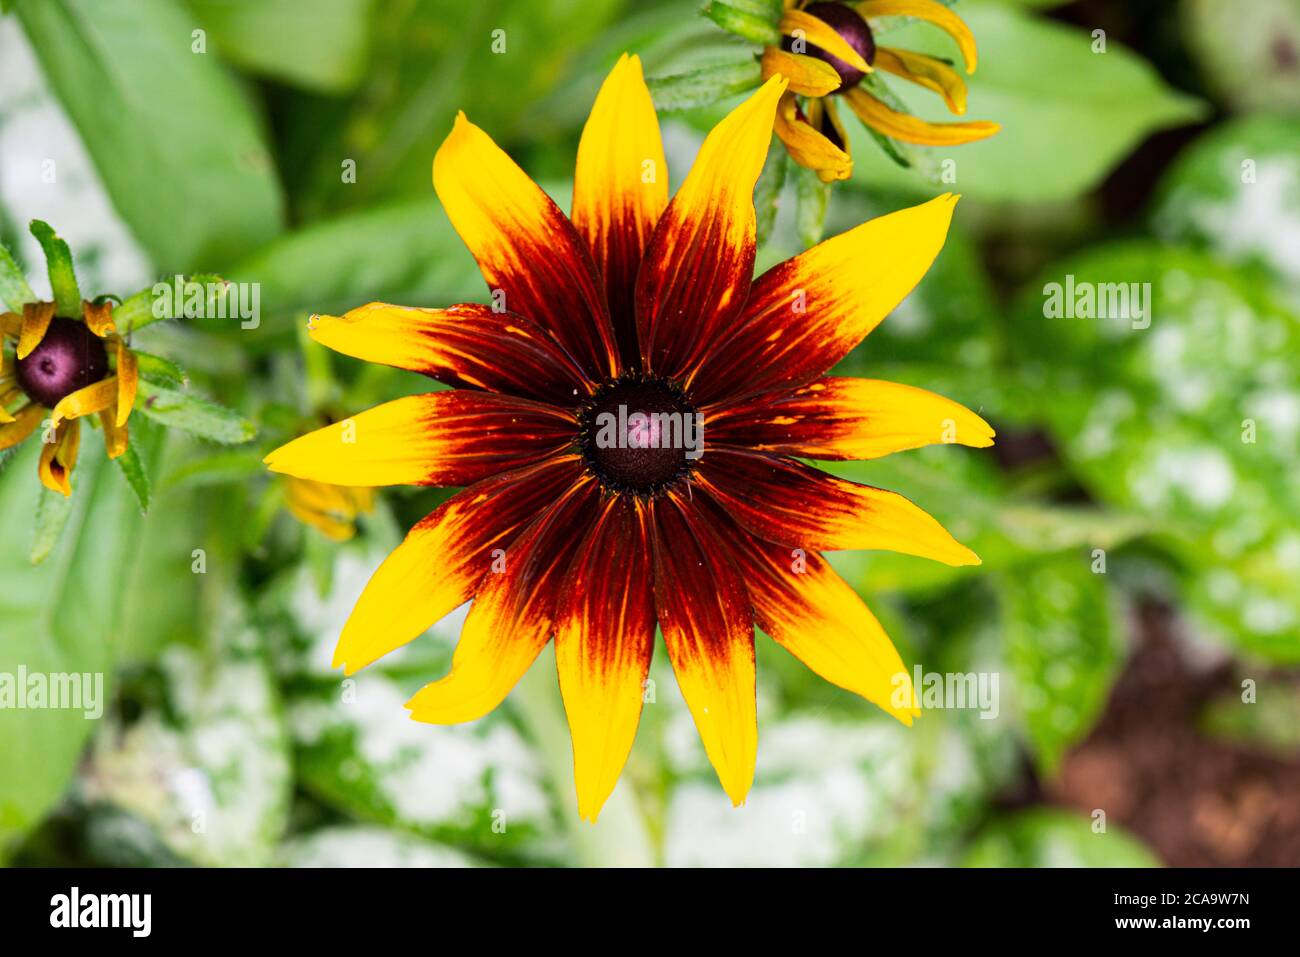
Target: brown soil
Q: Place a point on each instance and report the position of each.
(1197, 801)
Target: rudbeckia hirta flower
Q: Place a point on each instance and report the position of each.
(827, 50)
(65, 368)
(638, 314)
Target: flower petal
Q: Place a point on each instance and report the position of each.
(807, 146)
(805, 314)
(527, 250)
(439, 438)
(932, 12)
(844, 418)
(11, 324)
(695, 275)
(808, 75)
(128, 380)
(512, 616)
(812, 612)
(604, 638)
(913, 129)
(36, 319)
(791, 504)
(86, 401)
(440, 564)
(24, 424)
(708, 630)
(59, 458)
(926, 71)
(468, 345)
(620, 190)
(116, 436)
(821, 34)
(98, 317)
(330, 509)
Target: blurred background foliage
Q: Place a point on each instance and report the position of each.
(1141, 556)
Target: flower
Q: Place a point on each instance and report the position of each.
(69, 368)
(827, 50)
(638, 305)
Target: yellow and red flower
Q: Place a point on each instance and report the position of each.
(646, 304)
(332, 510)
(66, 368)
(828, 48)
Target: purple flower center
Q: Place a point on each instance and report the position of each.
(70, 357)
(845, 21)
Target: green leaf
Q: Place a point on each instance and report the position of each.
(132, 469)
(1234, 192)
(767, 193)
(1068, 114)
(705, 86)
(492, 58)
(191, 413)
(14, 291)
(1063, 648)
(169, 299)
(1185, 414)
(323, 45)
(753, 22)
(53, 509)
(63, 278)
(160, 370)
(1051, 838)
(217, 469)
(173, 137)
(812, 197)
(404, 252)
(60, 617)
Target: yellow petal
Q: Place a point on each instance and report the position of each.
(11, 324)
(604, 638)
(930, 11)
(327, 508)
(807, 146)
(815, 615)
(808, 75)
(116, 437)
(704, 614)
(685, 298)
(846, 418)
(99, 317)
(805, 314)
(512, 617)
(58, 458)
(36, 319)
(441, 438)
(445, 557)
(620, 188)
(21, 425)
(526, 248)
(86, 401)
(128, 378)
(928, 72)
(821, 34)
(911, 129)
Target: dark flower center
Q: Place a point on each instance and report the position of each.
(639, 434)
(70, 357)
(848, 23)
